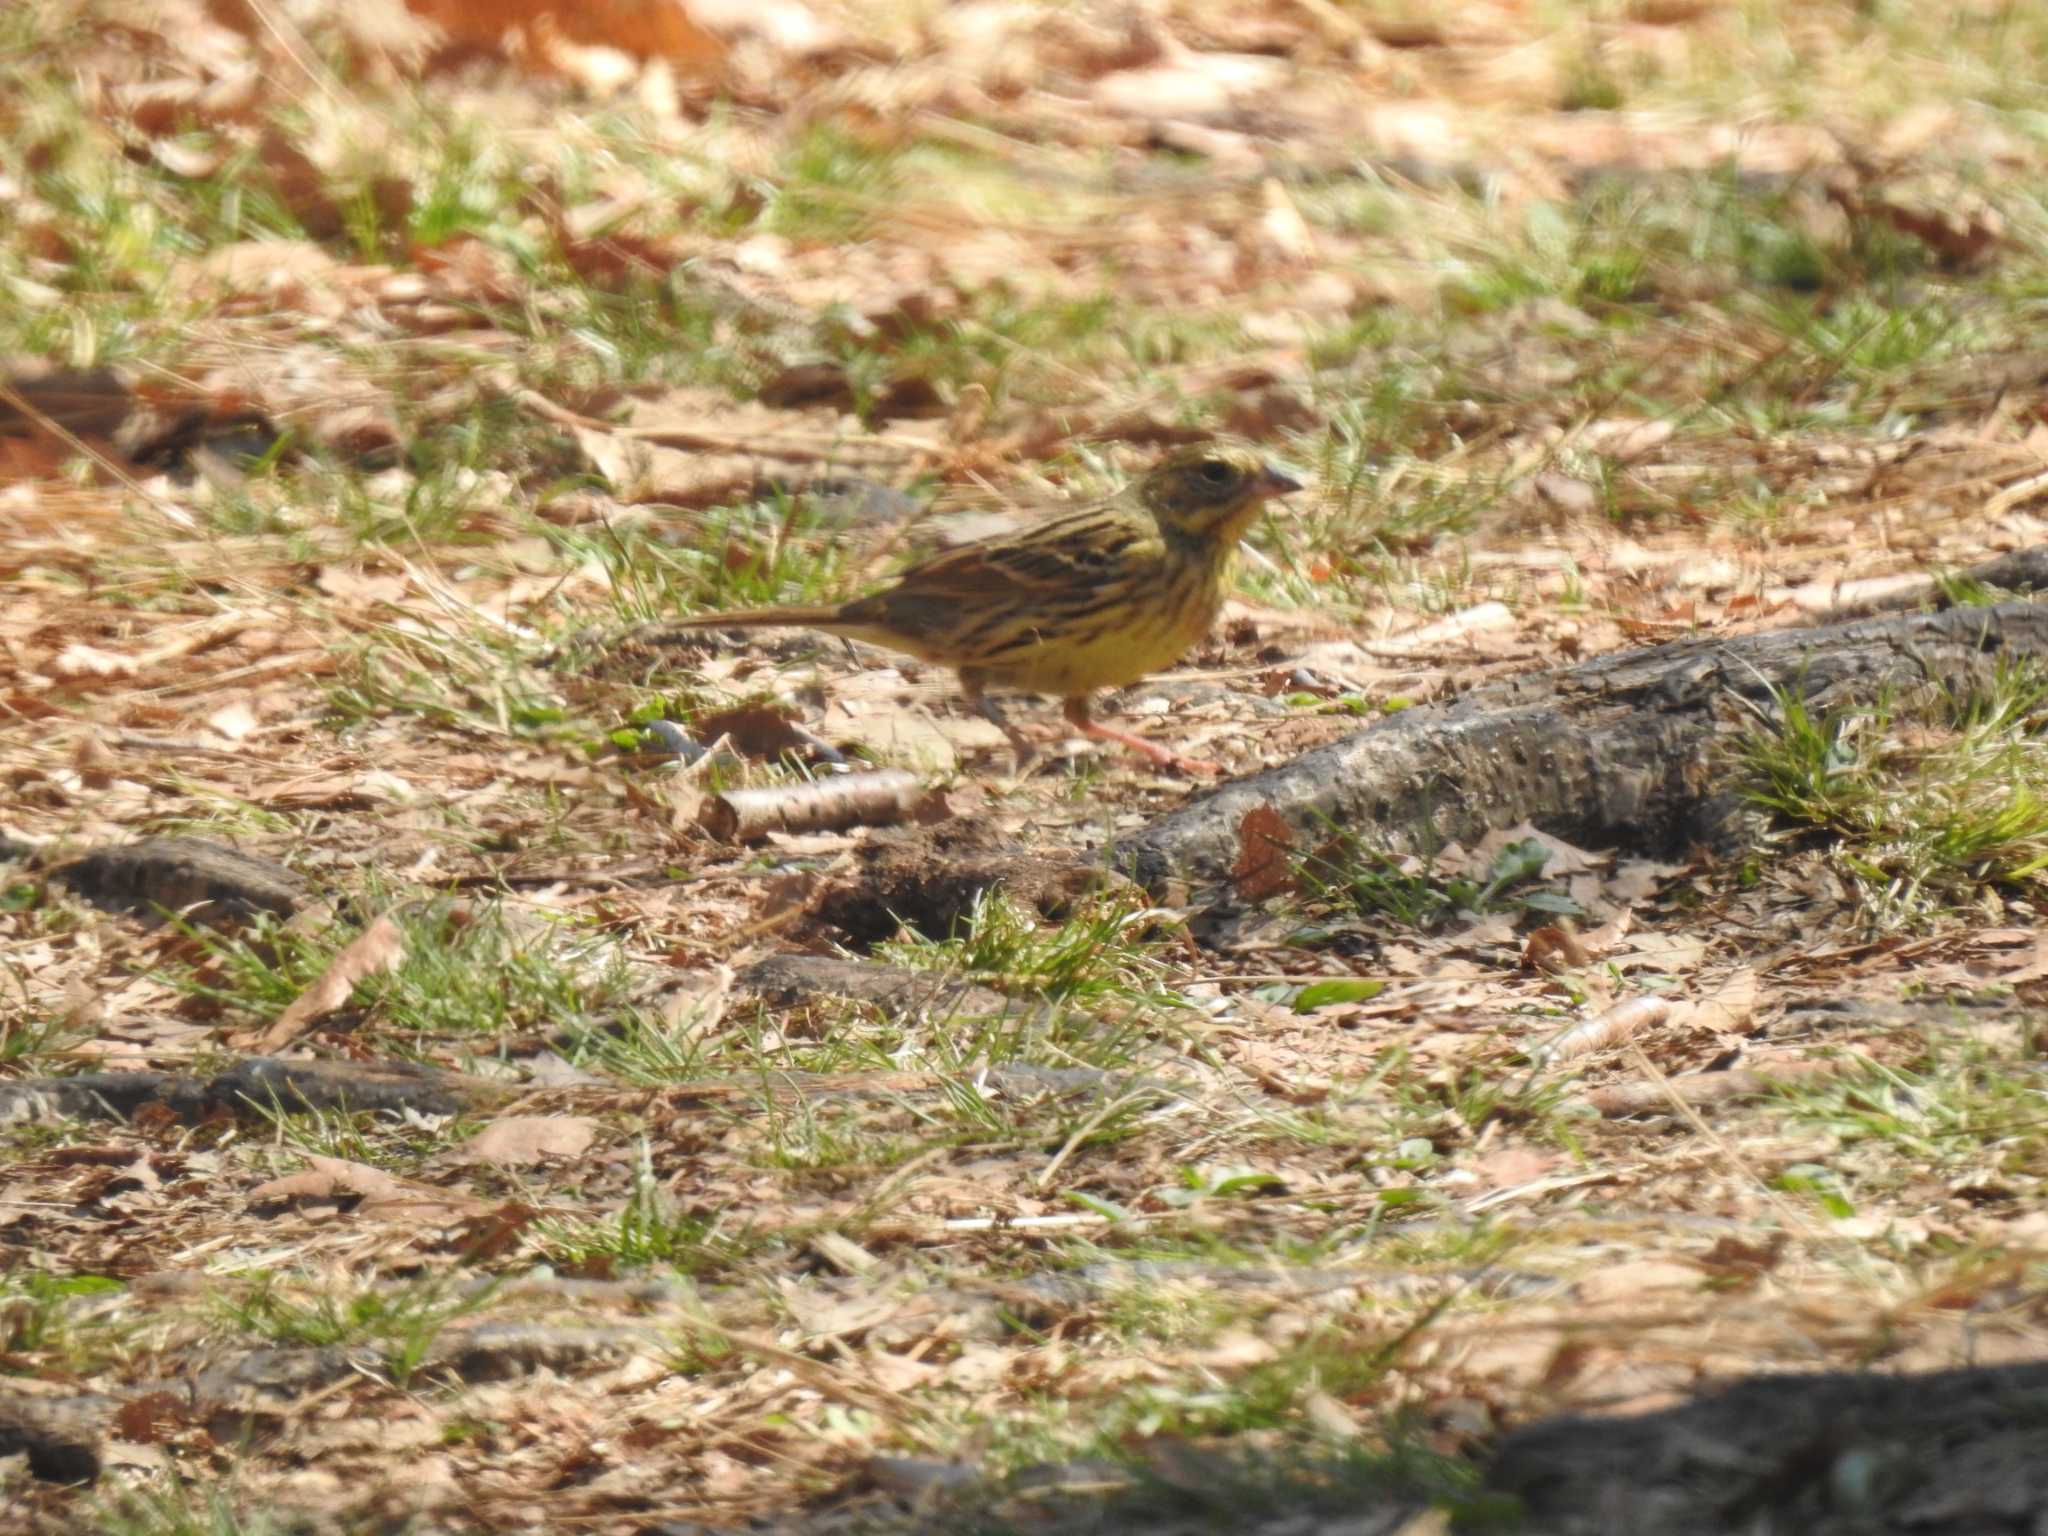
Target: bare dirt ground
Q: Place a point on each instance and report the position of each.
(433, 1098)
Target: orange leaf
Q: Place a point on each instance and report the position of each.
(1263, 842)
(646, 29)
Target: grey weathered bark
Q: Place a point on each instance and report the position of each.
(260, 1082)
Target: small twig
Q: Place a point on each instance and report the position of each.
(1609, 1027)
(830, 805)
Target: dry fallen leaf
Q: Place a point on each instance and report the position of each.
(1632, 1281)
(759, 731)
(233, 720)
(1728, 1007)
(1507, 1166)
(1191, 85)
(524, 1140)
(1625, 439)
(1553, 947)
(645, 29)
(379, 948)
(1263, 868)
(377, 1193)
(96, 763)
(79, 662)
(327, 1178)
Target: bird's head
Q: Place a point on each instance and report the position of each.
(1211, 490)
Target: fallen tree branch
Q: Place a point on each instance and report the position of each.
(258, 1083)
(1618, 751)
(266, 1085)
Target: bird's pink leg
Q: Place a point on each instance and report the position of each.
(1078, 717)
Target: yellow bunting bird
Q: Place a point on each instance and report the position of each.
(1096, 597)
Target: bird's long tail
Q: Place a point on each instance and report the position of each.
(766, 618)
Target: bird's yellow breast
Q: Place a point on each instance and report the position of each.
(1153, 626)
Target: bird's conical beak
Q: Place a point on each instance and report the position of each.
(1272, 483)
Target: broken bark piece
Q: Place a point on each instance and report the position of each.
(827, 805)
(390, 1086)
(98, 1096)
(37, 396)
(2024, 570)
(201, 881)
(1615, 752)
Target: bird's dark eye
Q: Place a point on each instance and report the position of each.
(1215, 471)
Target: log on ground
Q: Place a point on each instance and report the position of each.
(1615, 752)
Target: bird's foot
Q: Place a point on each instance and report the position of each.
(1164, 757)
